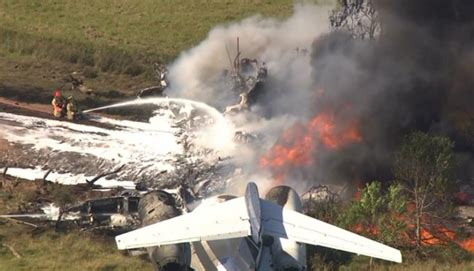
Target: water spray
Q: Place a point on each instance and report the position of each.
(218, 136)
(161, 100)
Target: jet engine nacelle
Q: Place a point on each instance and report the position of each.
(154, 207)
(286, 254)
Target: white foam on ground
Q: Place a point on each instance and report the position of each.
(145, 148)
(65, 178)
(129, 142)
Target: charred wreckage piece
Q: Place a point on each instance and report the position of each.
(120, 212)
(128, 209)
(246, 79)
(161, 73)
(77, 83)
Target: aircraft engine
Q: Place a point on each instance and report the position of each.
(154, 207)
(286, 254)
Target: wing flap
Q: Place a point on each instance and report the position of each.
(222, 221)
(285, 223)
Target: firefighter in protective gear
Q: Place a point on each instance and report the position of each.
(58, 104)
(71, 107)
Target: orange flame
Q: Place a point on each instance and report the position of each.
(443, 236)
(468, 244)
(297, 145)
(436, 235)
(370, 229)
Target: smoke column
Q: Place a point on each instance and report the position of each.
(416, 76)
(412, 78)
(196, 73)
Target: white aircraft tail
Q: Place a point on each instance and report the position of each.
(252, 216)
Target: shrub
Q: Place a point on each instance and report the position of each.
(134, 70)
(90, 72)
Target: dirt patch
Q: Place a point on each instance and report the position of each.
(4, 145)
(9, 105)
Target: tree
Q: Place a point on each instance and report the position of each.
(424, 165)
(377, 214)
(358, 17)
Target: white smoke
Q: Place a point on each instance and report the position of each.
(285, 46)
(195, 73)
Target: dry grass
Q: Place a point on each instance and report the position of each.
(430, 265)
(53, 251)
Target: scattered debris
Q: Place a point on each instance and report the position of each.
(241, 106)
(247, 79)
(19, 221)
(46, 175)
(161, 74)
(320, 193)
(13, 251)
(243, 137)
(98, 177)
(77, 83)
(466, 214)
(116, 212)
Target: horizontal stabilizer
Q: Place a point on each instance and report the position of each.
(285, 223)
(237, 218)
(222, 221)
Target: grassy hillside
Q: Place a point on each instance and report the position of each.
(118, 36)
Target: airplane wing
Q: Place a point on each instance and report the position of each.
(225, 220)
(285, 223)
(252, 216)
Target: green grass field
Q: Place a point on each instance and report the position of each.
(119, 36)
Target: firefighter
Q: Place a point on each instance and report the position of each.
(71, 109)
(58, 104)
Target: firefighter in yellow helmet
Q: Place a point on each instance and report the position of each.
(59, 107)
(72, 110)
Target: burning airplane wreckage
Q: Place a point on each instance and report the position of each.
(167, 152)
(277, 117)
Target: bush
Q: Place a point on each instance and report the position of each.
(90, 72)
(321, 258)
(134, 70)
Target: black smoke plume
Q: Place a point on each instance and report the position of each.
(416, 75)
